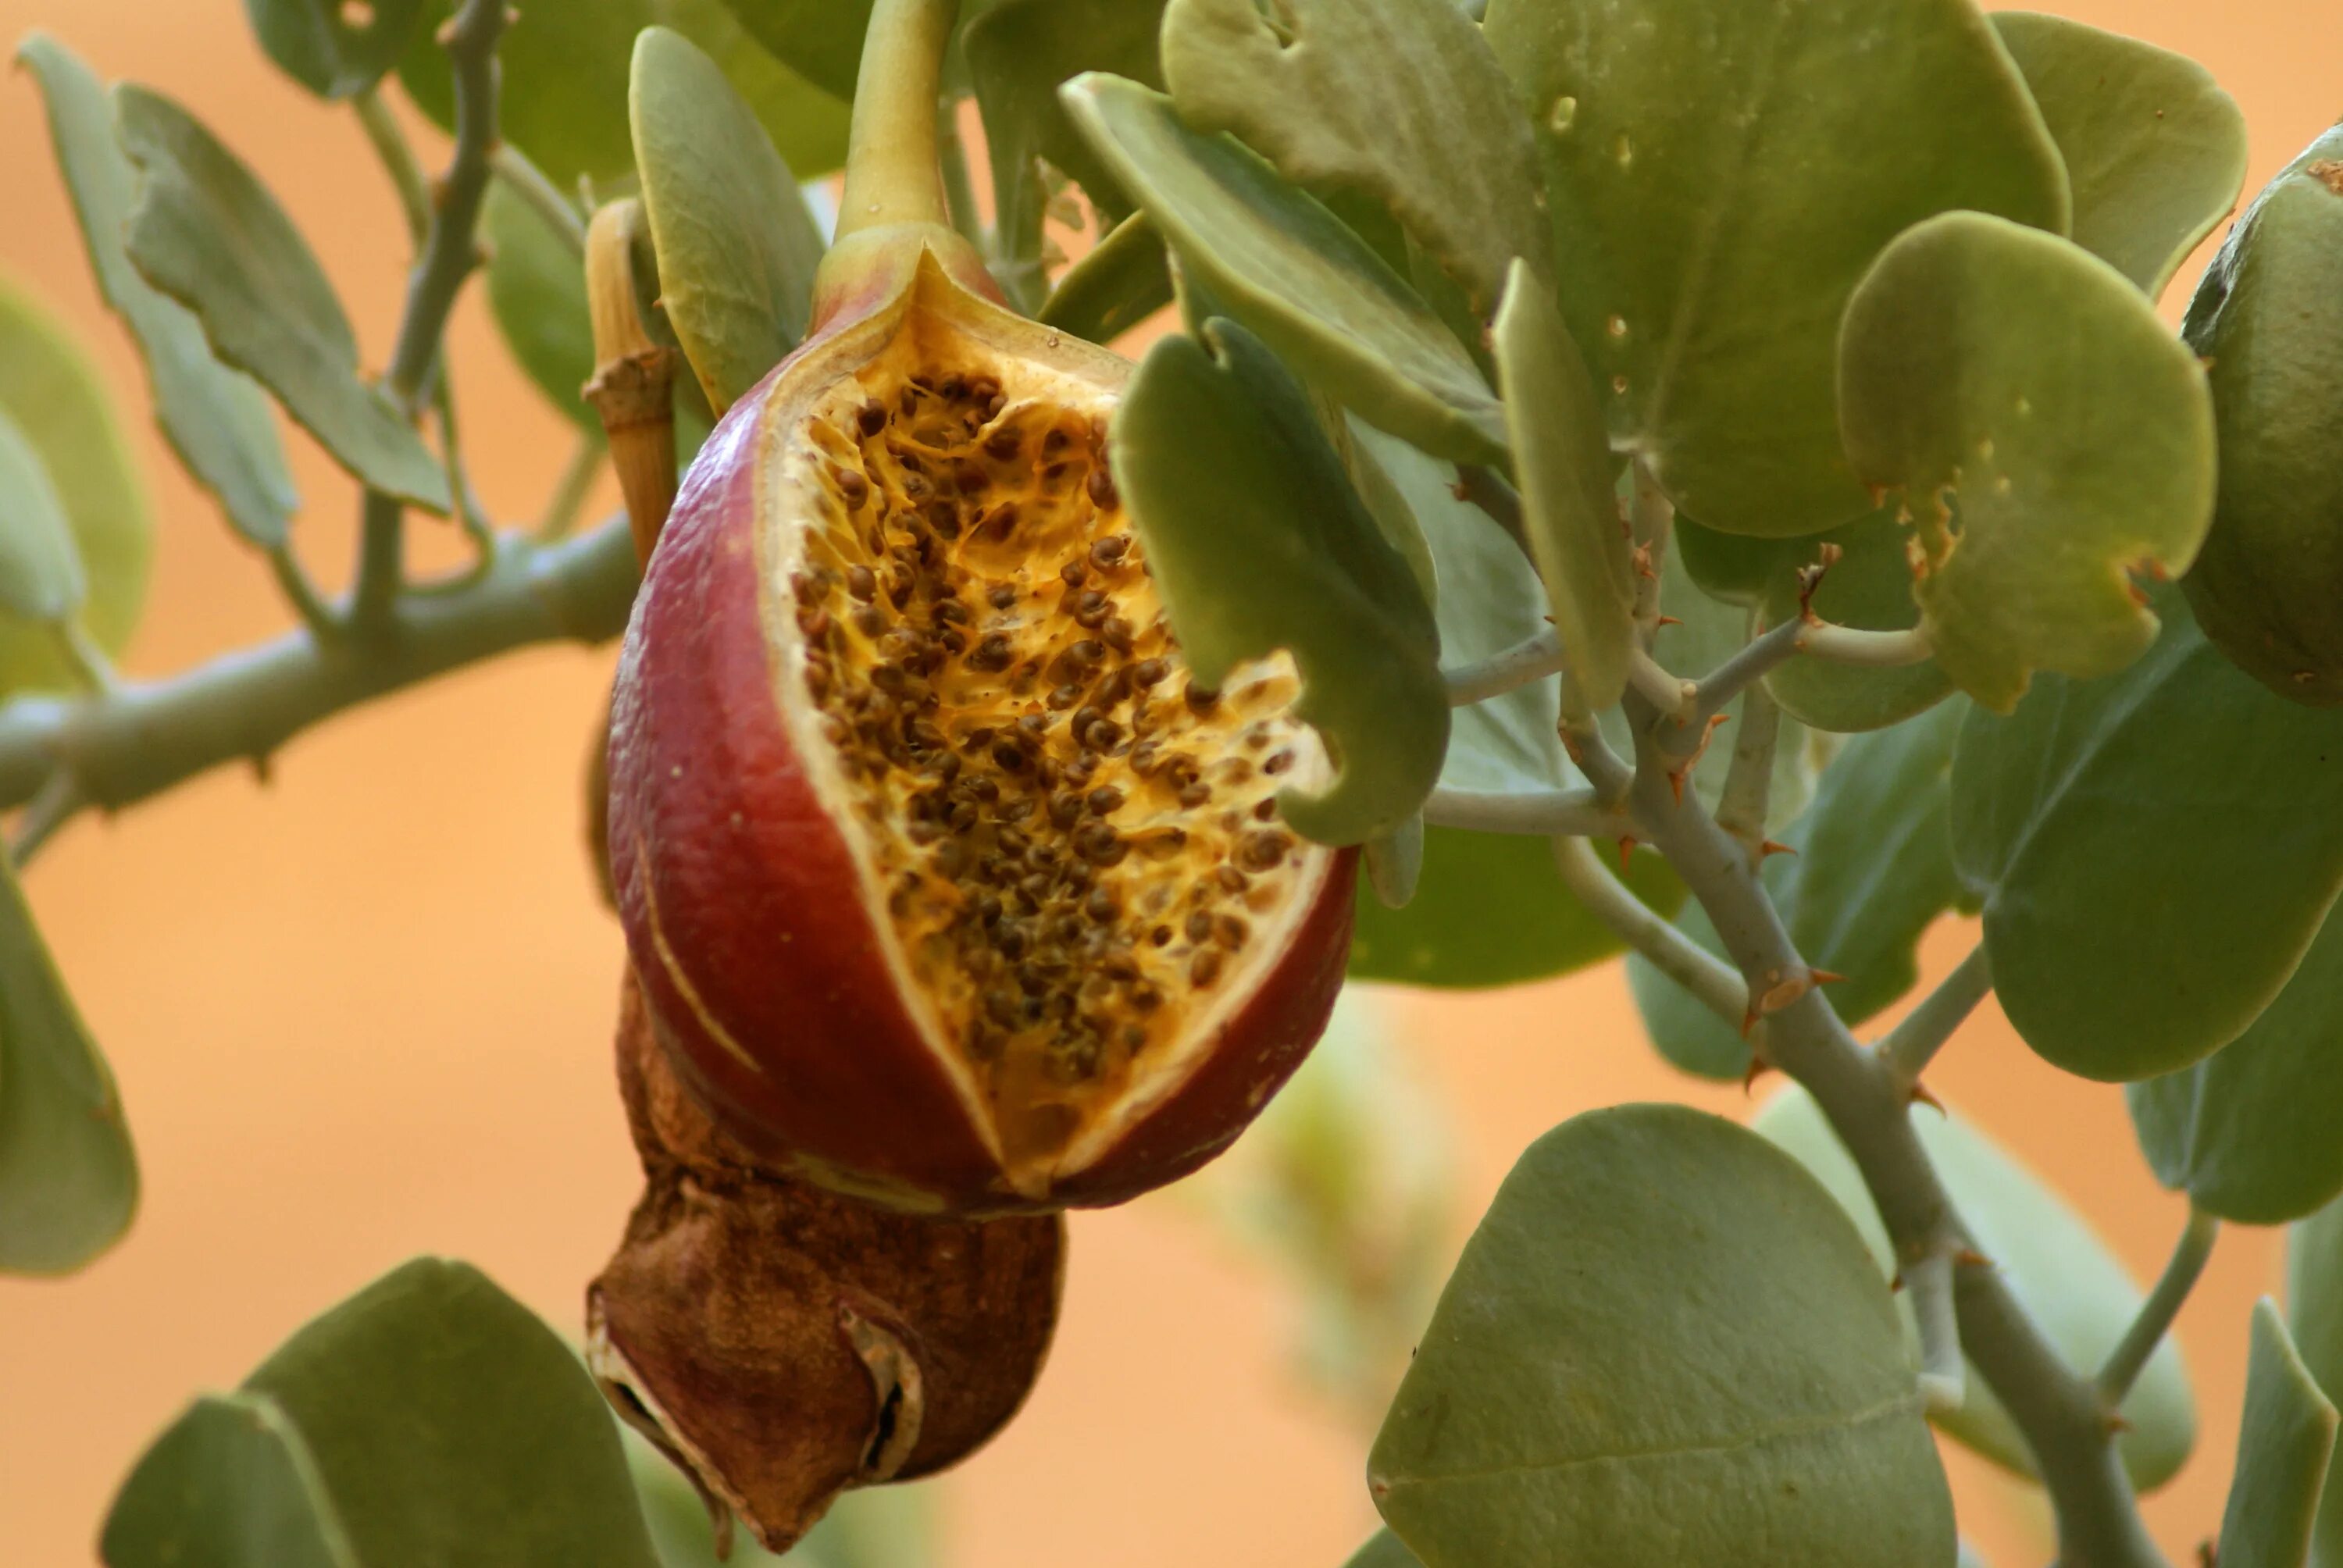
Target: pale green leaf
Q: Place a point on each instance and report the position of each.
(1277, 260)
(2250, 1133)
(449, 1426)
(207, 232)
(1398, 99)
(334, 49)
(2064, 1276)
(563, 82)
(2175, 809)
(41, 577)
(1719, 173)
(2269, 317)
(2154, 149)
(2314, 1307)
(215, 419)
(1871, 871)
(736, 247)
(1267, 546)
(1116, 284)
(537, 292)
(229, 1484)
(1664, 1348)
(2049, 436)
(1569, 505)
(68, 1179)
(2284, 1444)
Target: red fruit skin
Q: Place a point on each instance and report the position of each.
(746, 922)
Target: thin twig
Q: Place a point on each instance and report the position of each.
(308, 603)
(90, 666)
(1666, 691)
(527, 181)
(59, 799)
(391, 146)
(571, 491)
(1544, 812)
(1911, 1045)
(1527, 662)
(1709, 979)
(1877, 649)
(1929, 1285)
(1487, 490)
(2147, 1329)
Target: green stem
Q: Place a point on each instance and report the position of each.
(528, 182)
(59, 800)
(90, 664)
(390, 145)
(573, 490)
(893, 174)
(142, 737)
(1911, 1045)
(307, 602)
(2163, 1304)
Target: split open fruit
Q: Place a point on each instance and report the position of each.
(947, 886)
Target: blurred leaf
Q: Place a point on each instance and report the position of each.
(1663, 1346)
(449, 1426)
(2064, 1276)
(1116, 284)
(1398, 99)
(1569, 505)
(1385, 1550)
(1020, 52)
(2284, 1444)
(333, 49)
(736, 247)
(1268, 546)
(229, 1484)
(1872, 871)
(2269, 317)
(218, 420)
(68, 1178)
(537, 292)
(2154, 149)
(2034, 411)
(41, 577)
(2313, 1306)
(2248, 1132)
(206, 232)
(1720, 174)
(564, 81)
(820, 38)
(2176, 808)
(1277, 260)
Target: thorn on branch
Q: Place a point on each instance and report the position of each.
(1773, 847)
(1810, 580)
(1921, 1095)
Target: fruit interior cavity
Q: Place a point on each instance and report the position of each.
(1077, 846)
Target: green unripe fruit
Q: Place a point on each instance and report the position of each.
(2268, 317)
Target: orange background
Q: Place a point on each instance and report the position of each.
(362, 1012)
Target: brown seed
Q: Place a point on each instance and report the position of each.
(951, 612)
(1103, 735)
(1001, 522)
(1265, 810)
(1110, 550)
(1194, 795)
(1015, 812)
(1063, 698)
(1087, 653)
(1002, 597)
(1160, 936)
(1201, 699)
(1144, 758)
(1100, 485)
(1065, 810)
(1199, 926)
(1046, 772)
(1204, 967)
(1117, 634)
(1146, 997)
(1234, 880)
(1033, 724)
(1150, 672)
(1120, 965)
(1114, 688)
(870, 418)
(994, 653)
(944, 517)
(1000, 1006)
(1261, 851)
(1072, 574)
(1011, 942)
(1278, 762)
(853, 488)
(1091, 608)
(1004, 444)
(1101, 907)
(814, 622)
(1010, 757)
(1055, 441)
(1100, 845)
(1106, 800)
(1231, 931)
(869, 621)
(861, 583)
(952, 642)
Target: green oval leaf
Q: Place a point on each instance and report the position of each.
(2283, 1443)
(1267, 546)
(207, 232)
(820, 38)
(2050, 436)
(1569, 505)
(1719, 174)
(1871, 871)
(52, 394)
(334, 49)
(2269, 318)
(2176, 808)
(1276, 259)
(1399, 100)
(2248, 1132)
(1663, 1346)
(563, 76)
(2154, 149)
(537, 292)
(217, 421)
(2061, 1272)
(736, 247)
(2314, 1307)
(255, 1492)
(68, 1179)
(448, 1425)
(1116, 284)
(41, 577)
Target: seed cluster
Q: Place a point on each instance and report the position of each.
(1078, 842)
